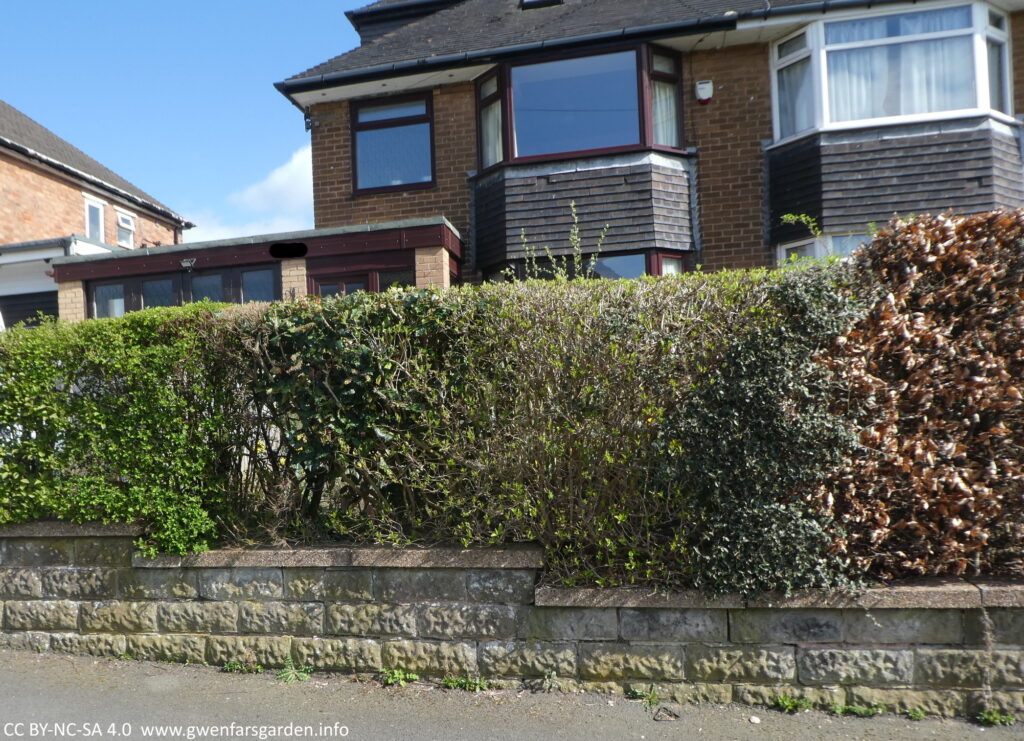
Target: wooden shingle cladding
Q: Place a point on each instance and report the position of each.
(644, 200)
(847, 180)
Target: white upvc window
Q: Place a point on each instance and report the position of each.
(827, 245)
(125, 228)
(921, 64)
(94, 208)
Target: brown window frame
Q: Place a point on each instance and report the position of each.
(645, 73)
(392, 123)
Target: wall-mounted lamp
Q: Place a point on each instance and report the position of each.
(187, 263)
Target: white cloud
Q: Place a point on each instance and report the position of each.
(280, 202)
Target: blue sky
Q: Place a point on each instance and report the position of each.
(178, 97)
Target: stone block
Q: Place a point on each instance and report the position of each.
(267, 651)
(79, 583)
(240, 583)
(1005, 627)
(197, 617)
(420, 585)
(338, 654)
(501, 587)
(570, 624)
(633, 597)
(522, 659)
(733, 664)
(710, 626)
(694, 693)
(785, 626)
(624, 661)
(103, 551)
(429, 658)
(178, 649)
(37, 552)
(466, 621)
(20, 584)
(903, 626)
(965, 668)
(289, 618)
(945, 703)
(118, 617)
(819, 697)
(855, 666)
(331, 585)
(1004, 702)
(371, 620)
(90, 645)
(146, 584)
(41, 615)
(25, 641)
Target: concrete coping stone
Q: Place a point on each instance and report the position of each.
(918, 594)
(59, 529)
(344, 556)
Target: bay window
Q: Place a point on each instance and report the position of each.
(915, 65)
(604, 102)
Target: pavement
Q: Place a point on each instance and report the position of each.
(59, 696)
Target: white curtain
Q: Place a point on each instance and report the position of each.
(857, 83)
(796, 98)
(903, 24)
(666, 121)
(490, 120)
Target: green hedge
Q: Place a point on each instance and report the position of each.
(668, 432)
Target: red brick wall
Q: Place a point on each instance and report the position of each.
(36, 203)
(455, 155)
(727, 133)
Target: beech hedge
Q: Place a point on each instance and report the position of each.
(744, 431)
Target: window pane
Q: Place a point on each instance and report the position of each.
(488, 87)
(664, 64)
(490, 124)
(845, 244)
(328, 289)
(109, 300)
(257, 285)
(392, 110)
(207, 286)
(918, 77)
(996, 20)
(576, 104)
(795, 44)
(124, 237)
(157, 293)
(671, 265)
(796, 98)
(901, 24)
(393, 156)
(399, 278)
(621, 266)
(666, 118)
(95, 226)
(353, 286)
(996, 77)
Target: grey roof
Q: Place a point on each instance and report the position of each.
(21, 133)
(482, 25)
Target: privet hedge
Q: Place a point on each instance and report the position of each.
(713, 431)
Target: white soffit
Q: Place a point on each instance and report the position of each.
(423, 81)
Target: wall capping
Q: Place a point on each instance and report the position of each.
(59, 529)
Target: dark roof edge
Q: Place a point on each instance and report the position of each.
(37, 244)
(57, 164)
(726, 22)
(397, 10)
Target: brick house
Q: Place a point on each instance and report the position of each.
(54, 201)
(688, 128)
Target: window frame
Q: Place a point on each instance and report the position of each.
(132, 220)
(92, 201)
(644, 73)
(427, 98)
(980, 31)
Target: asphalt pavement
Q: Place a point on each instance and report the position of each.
(55, 696)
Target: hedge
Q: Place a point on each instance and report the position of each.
(736, 431)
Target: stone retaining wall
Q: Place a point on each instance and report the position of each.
(946, 648)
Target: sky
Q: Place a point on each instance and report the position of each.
(178, 97)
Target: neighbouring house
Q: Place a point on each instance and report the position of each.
(57, 201)
(688, 128)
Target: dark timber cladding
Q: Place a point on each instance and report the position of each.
(355, 247)
(27, 306)
(851, 179)
(645, 204)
